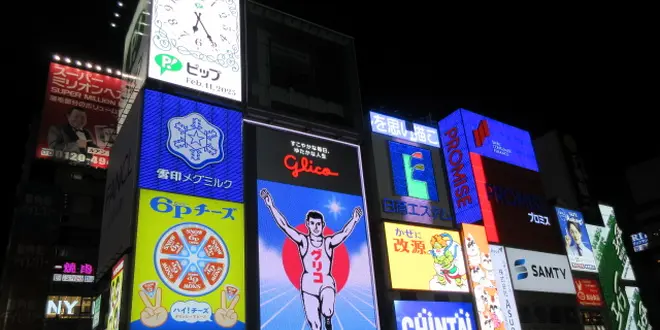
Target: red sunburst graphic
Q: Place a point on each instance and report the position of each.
(293, 265)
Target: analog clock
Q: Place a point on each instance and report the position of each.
(207, 30)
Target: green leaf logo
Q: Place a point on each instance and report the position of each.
(167, 62)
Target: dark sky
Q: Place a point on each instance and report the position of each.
(588, 71)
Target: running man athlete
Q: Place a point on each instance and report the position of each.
(317, 285)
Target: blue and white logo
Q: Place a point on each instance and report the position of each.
(195, 140)
(521, 270)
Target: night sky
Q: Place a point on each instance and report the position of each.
(587, 71)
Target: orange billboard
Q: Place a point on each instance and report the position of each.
(482, 277)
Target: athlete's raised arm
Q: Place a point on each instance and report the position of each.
(343, 234)
(281, 221)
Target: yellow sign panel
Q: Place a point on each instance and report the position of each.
(427, 259)
(189, 263)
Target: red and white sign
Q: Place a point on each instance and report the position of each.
(79, 116)
(588, 292)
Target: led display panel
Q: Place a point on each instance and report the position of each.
(397, 128)
(482, 277)
(436, 315)
(540, 272)
(191, 148)
(197, 44)
(116, 293)
(576, 239)
(192, 263)
(504, 287)
(412, 187)
(314, 248)
(425, 259)
(588, 292)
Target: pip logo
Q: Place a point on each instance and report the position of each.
(412, 171)
(521, 270)
(481, 133)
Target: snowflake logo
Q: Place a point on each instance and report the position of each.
(195, 140)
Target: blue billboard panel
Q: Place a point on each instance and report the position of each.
(462, 185)
(576, 240)
(412, 171)
(434, 315)
(493, 139)
(396, 127)
(191, 148)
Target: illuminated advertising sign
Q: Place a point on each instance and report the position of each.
(462, 184)
(68, 307)
(637, 312)
(191, 148)
(193, 265)
(314, 248)
(482, 277)
(75, 273)
(411, 188)
(426, 259)
(397, 128)
(578, 247)
(613, 266)
(504, 287)
(588, 292)
(79, 116)
(198, 46)
(438, 315)
(513, 202)
(540, 272)
(116, 293)
(96, 312)
(640, 241)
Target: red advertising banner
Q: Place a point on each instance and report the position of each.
(79, 117)
(588, 292)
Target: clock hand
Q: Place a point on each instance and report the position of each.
(204, 27)
(199, 20)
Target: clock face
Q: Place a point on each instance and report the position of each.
(204, 29)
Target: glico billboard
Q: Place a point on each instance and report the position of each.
(501, 191)
(412, 187)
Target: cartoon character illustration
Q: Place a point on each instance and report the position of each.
(483, 283)
(444, 252)
(318, 288)
(472, 250)
(487, 264)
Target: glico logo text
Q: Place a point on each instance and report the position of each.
(305, 165)
(458, 178)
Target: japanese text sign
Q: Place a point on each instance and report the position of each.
(396, 128)
(73, 272)
(437, 315)
(504, 287)
(191, 252)
(482, 277)
(197, 46)
(79, 116)
(588, 292)
(191, 148)
(426, 259)
(637, 312)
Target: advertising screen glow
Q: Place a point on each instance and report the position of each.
(637, 313)
(96, 312)
(191, 148)
(438, 315)
(640, 241)
(425, 259)
(588, 292)
(576, 239)
(314, 249)
(505, 288)
(395, 127)
(540, 272)
(482, 277)
(116, 293)
(191, 256)
(197, 45)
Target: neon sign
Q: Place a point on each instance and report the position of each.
(305, 165)
(74, 273)
(396, 127)
(419, 210)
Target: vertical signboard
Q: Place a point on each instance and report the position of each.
(190, 257)
(588, 292)
(482, 278)
(315, 266)
(576, 239)
(426, 259)
(191, 148)
(637, 312)
(79, 116)
(436, 315)
(96, 312)
(197, 44)
(116, 293)
(411, 188)
(504, 287)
